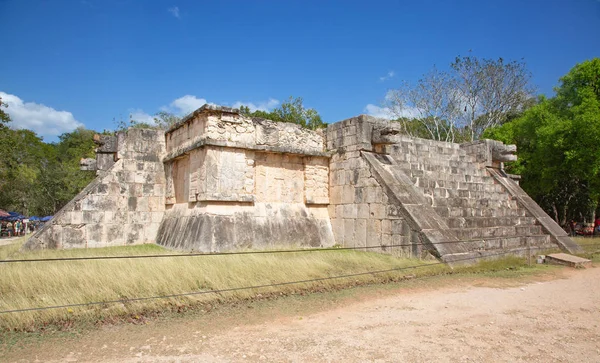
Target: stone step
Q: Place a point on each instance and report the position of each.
(470, 202)
(451, 162)
(446, 211)
(500, 231)
(439, 192)
(434, 177)
(568, 260)
(485, 222)
(456, 182)
(445, 172)
(536, 242)
(478, 187)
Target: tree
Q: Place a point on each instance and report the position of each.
(164, 120)
(38, 178)
(559, 146)
(491, 91)
(293, 111)
(4, 116)
(432, 103)
(461, 103)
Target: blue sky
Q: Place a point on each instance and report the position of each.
(87, 62)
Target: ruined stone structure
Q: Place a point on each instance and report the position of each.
(123, 205)
(220, 181)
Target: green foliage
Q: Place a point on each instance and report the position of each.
(4, 116)
(559, 145)
(37, 178)
(163, 120)
(293, 111)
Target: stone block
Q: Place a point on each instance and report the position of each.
(339, 210)
(360, 239)
(347, 194)
(93, 217)
(397, 227)
(73, 236)
(350, 211)
(337, 225)
(132, 203)
(386, 240)
(76, 217)
(95, 234)
(372, 195)
(349, 230)
(332, 211)
(363, 210)
(377, 210)
(386, 226)
(373, 232)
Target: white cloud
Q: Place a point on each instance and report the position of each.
(389, 75)
(43, 120)
(389, 113)
(185, 105)
(261, 106)
(141, 116)
(376, 111)
(174, 11)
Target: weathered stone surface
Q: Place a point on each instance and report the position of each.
(102, 213)
(284, 224)
(220, 181)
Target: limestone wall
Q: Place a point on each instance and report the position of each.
(361, 213)
(224, 126)
(236, 182)
(123, 205)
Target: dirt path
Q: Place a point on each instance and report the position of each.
(544, 321)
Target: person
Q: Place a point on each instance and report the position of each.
(597, 225)
(573, 226)
(9, 227)
(17, 226)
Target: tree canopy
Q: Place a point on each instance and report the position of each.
(558, 142)
(293, 111)
(4, 116)
(38, 178)
(461, 103)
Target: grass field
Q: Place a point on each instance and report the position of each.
(43, 284)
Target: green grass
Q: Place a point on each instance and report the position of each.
(40, 284)
(591, 247)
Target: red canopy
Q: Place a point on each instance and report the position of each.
(3, 213)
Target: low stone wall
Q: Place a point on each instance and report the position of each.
(123, 205)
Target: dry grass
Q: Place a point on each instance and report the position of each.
(591, 247)
(40, 284)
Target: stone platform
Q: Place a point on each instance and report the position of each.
(568, 260)
(219, 181)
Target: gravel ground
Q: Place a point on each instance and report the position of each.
(541, 321)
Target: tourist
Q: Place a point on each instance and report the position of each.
(597, 225)
(573, 226)
(9, 227)
(17, 226)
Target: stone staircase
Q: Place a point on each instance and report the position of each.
(477, 210)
